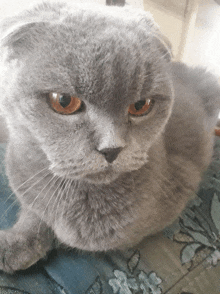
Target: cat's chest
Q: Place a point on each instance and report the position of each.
(94, 214)
(96, 202)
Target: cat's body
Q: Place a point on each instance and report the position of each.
(100, 178)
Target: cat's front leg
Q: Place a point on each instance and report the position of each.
(25, 243)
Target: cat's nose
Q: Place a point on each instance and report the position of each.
(110, 153)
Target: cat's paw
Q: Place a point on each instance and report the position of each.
(18, 252)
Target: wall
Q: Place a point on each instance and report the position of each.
(176, 20)
(9, 7)
(195, 35)
(204, 47)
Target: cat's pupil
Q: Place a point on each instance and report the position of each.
(64, 100)
(138, 105)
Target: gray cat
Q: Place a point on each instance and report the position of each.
(108, 138)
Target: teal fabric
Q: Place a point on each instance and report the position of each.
(8, 204)
(72, 272)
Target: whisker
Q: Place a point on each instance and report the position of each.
(9, 207)
(16, 190)
(67, 193)
(35, 183)
(59, 200)
(16, 200)
(30, 206)
(47, 184)
(59, 196)
(63, 195)
(42, 217)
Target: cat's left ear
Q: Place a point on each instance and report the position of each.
(164, 46)
(21, 38)
(160, 41)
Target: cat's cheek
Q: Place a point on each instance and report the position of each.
(131, 163)
(146, 133)
(89, 165)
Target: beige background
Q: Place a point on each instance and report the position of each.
(193, 27)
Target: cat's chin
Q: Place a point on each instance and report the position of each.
(105, 177)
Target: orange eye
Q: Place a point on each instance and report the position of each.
(141, 107)
(64, 103)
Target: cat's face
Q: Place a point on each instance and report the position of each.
(105, 62)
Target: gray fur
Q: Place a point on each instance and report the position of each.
(109, 57)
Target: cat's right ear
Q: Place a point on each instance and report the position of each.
(21, 38)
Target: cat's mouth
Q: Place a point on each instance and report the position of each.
(105, 176)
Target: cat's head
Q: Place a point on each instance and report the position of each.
(89, 84)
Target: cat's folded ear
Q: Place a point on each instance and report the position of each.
(164, 45)
(21, 38)
(161, 42)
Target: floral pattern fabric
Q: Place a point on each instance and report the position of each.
(183, 259)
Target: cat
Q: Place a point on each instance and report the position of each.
(108, 136)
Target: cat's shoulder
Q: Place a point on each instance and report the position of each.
(196, 85)
(196, 78)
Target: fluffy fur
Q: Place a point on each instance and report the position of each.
(109, 57)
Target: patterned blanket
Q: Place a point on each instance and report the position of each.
(183, 259)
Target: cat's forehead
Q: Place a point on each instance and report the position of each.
(94, 51)
(110, 65)
(96, 55)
